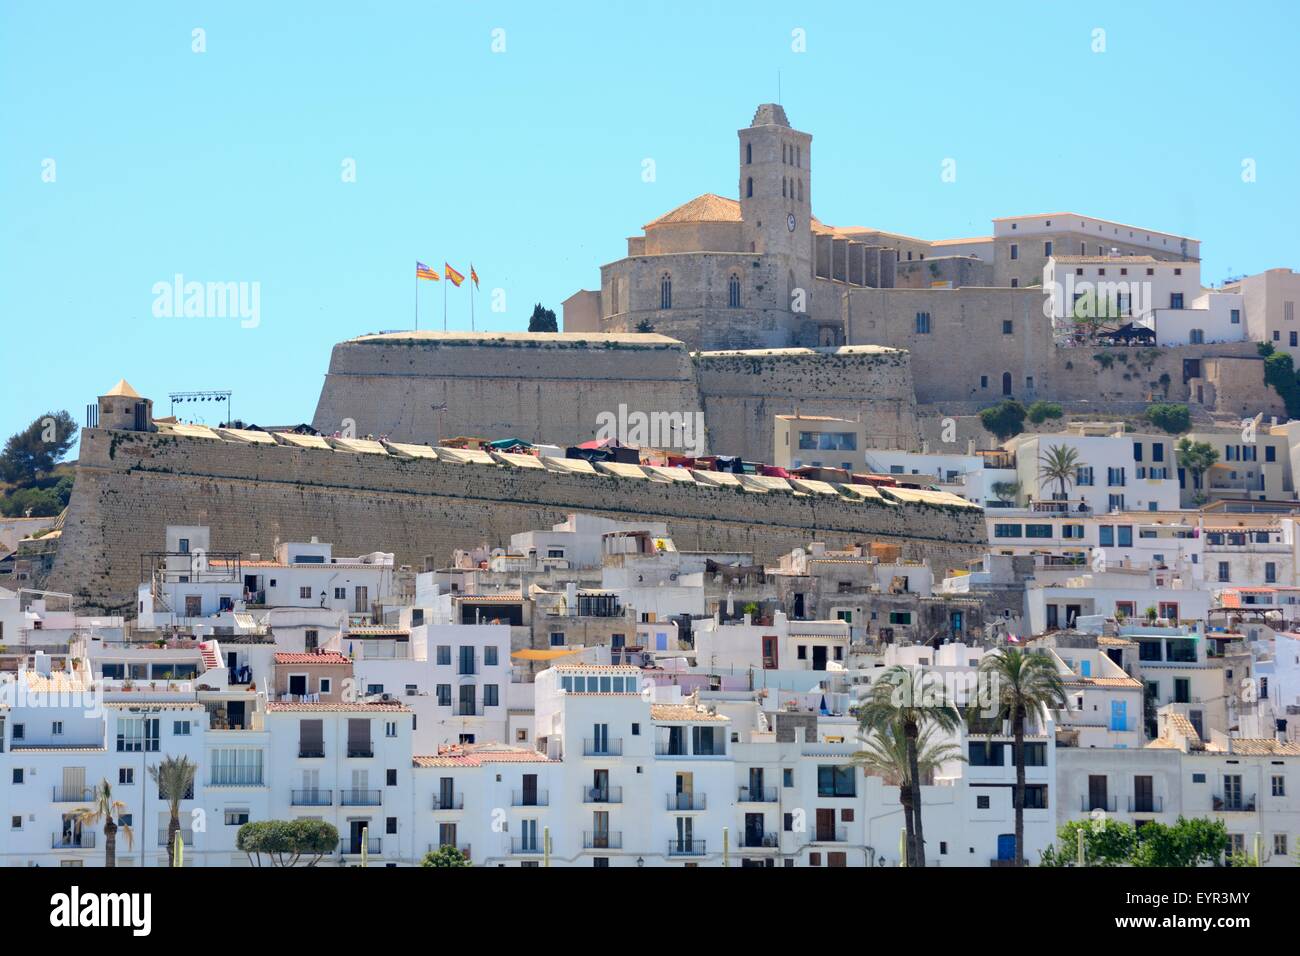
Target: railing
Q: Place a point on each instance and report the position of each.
(602, 794)
(467, 710)
(1146, 805)
(602, 840)
(525, 847)
(466, 669)
(760, 841)
(186, 836)
(530, 798)
(602, 748)
(73, 794)
(311, 751)
(1245, 803)
(686, 801)
(85, 840)
(351, 847)
(233, 777)
(361, 750)
(685, 847)
(831, 835)
(455, 801)
(359, 798)
(664, 748)
(1088, 804)
(757, 795)
(311, 798)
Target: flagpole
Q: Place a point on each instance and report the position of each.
(445, 280)
(471, 305)
(417, 300)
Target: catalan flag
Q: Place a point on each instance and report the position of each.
(424, 272)
(473, 276)
(454, 277)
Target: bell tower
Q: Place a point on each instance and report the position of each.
(776, 194)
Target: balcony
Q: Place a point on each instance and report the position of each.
(186, 836)
(687, 801)
(361, 750)
(1146, 805)
(311, 752)
(73, 794)
(311, 798)
(665, 748)
(466, 710)
(602, 840)
(760, 841)
(686, 848)
(449, 801)
(360, 798)
(530, 798)
(602, 794)
(1236, 803)
(351, 846)
(602, 748)
(757, 795)
(831, 835)
(85, 840)
(464, 848)
(1087, 804)
(525, 846)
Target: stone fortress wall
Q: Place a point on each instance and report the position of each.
(363, 496)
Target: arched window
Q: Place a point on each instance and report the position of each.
(1006, 383)
(749, 153)
(733, 291)
(749, 187)
(666, 292)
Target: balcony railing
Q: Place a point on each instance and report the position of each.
(602, 794)
(664, 748)
(686, 801)
(757, 795)
(760, 841)
(311, 751)
(521, 846)
(360, 798)
(352, 847)
(831, 835)
(72, 794)
(530, 798)
(602, 840)
(1243, 803)
(466, 710)
(606, 747)
(1146, 804)
(186, 836)
(361, 750)
(311, 798)
(85, 840)
(451, 801)
(1087, 804)
(686, 848)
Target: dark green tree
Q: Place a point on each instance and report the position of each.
(287, 842)
(1171, 417)
(542, 320)
(34, 451)
(445, 856)
(1005, 419)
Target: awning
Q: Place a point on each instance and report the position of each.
(541, 655)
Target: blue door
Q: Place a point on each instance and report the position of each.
(1085, 667)
(1006, 846)
(1119, 715)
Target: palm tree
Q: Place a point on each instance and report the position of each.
(104, 808)
(913, 699)
(175, 778)
(1059, 463)
(1022, 683)
(885, 755)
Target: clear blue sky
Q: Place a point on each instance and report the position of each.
(226, 165)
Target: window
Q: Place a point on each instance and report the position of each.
(444, 695)
(1047, 247)
(1270, 572)
(1083, 475)
(1015, 251)
(137, 735)
(444, 655)
(489, 657)
(749, 154)
(981, 803)
(733, 292)
(390, 728)
(1038, 531)
(236, 818)
(1235, 317)
(1175, 300)
(390, 778)
(666, 291)
(305, 593)
(126, 776)
(18, 775)
(835, 781)
(1007, 531)
(1279, 844)
(1007, 327)
(236, 767)
(923, 323)
(490, 698)
(1115, 477)
(56, 728)
(1196, 336)
(749, 187)
(340, 594)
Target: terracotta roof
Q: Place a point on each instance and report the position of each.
(1184, 726)
(709, 207)
(328, 657)
(1116, 260)
(391, 706)
(682, 712)
(1107, 640)
(475, 756)
(1075, 680)
(122, 389)
(1261, 747)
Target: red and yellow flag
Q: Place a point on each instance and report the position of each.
(473, 276)
(454, 277)
(424, 272)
